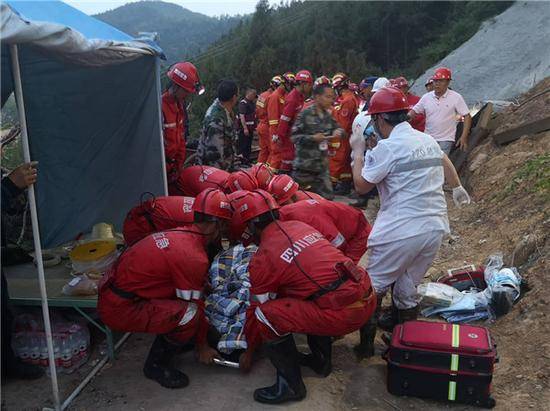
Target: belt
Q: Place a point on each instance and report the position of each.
(331, 287)
(123, 294)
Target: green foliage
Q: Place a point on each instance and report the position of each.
(182, 32)
(533, 177)
(358, 38)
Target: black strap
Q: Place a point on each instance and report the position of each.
(331, 287)
(124, 294)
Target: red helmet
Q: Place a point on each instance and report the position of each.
(253, 204)
(304, 76)
(386, 100)
(214, 203)
(263, 174)
(340, 80)
(323, 80)
(353, 87)
(282, 188)
(185, 75)
(399, 82)
(236, 227)
(289, 78)
(442, 73)
(240, 180)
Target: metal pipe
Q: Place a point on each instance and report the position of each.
(34, 219)
(159, 104)
(92, 373)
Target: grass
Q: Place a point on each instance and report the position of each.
(533, 177)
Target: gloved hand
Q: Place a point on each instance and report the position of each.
(460, 196)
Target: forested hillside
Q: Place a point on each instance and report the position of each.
(359, 38)
(182, 32)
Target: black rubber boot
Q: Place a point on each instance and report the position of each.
(289, 386)
(157, 366)
(367, 334)
(388, 318)
(320, 359)
(409, 314)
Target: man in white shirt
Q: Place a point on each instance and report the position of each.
(443, 109)
(408, 168)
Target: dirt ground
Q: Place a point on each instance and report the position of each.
(510, 192)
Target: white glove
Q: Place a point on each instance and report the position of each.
(275, 138)
(460, 196)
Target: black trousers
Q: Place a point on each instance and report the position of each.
(7, 323)
(245, 143)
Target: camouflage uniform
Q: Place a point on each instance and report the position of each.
(311, 162)
(218, 137)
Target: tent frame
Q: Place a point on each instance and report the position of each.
(18, 91)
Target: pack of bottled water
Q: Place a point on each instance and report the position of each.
(71, 342)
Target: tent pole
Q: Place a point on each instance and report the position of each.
(159, 105)
(34, 218)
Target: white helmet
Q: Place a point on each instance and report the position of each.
(380, 83)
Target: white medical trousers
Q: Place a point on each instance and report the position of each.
(403, 263)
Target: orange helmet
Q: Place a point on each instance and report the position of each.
(185, 75)
(214, 203)
(322, 80)
(340, 80)
(304, 76)
(253, 204)
(282, 188)
(240, 180)
(263, 174)
(386, 100)
(442, 73)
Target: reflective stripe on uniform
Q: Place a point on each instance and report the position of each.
(262, 298)
(169, 125)
(249, 123)
(261, 318)
(260, 104)
(188, 295)
(285, 118)
(338, 240)
(452, 391)
(418, 164)
(189, 313)
(273, 122)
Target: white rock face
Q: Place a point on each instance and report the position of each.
(506, 57)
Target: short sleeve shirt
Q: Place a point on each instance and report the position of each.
(442, 114)
(407, 169)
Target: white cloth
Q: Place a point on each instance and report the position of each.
(358, 127)
(403, 262)
(442, 114)
(407, 169)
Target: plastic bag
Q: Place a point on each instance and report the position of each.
(493, 265)
(80, 285)
(438, 294)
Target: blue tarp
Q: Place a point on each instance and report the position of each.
(61, 13)
(94, 129)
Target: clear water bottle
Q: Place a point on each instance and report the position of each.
(66, 355)
(34, 349)
(44, 360)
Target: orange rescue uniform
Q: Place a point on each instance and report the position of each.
(263, 126)
(344, 113)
